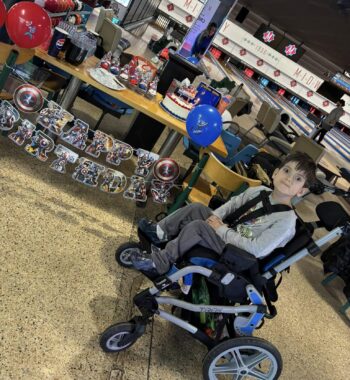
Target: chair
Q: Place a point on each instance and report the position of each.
(232, 142)
(107, 103)
(11, 55)
(268, 119)
(215, 172)
(306, 145)
(110, 34)
(244, 155)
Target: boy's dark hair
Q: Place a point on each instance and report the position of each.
(212, 25)
(341, 101)
(304, 163)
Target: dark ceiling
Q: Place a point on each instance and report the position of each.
(323, 25)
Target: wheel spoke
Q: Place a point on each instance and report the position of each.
(226, 368)
(253, 361)
(259, 375)
(238, 358)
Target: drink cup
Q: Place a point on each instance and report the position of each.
(57, 42)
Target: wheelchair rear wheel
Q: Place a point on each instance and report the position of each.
(241, 358)
(122, 254)
(118, 337)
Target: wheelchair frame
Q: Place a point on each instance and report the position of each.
(148, 300)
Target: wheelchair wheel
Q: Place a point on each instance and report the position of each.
(118, 337)
(243, 358)
(122, 254)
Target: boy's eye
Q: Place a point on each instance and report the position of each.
(299, 178)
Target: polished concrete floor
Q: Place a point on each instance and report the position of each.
(60, 286)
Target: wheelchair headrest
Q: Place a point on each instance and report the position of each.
(331, 215)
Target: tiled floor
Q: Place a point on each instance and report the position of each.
(60, 287)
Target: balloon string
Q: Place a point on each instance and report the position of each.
(21, 119)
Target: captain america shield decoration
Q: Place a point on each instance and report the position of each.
(28, 98)
(166, 170)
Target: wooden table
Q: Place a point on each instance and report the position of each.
(148, 107)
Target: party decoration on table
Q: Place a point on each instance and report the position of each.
(204, 125)
(137, 190)
(8, 116)
(134, 78)
(120, 152)
(106, 78)
(124, 73)
(87, 172)
(100, 143)
(24, 132)
(160, 191)
(3, 13)
(54, 118)
(166, 170)
(77, 135)
(28, 25)
(105, 62)
(28, 98)
(115, 67)
(145, 160)
(143, 84)
(40, 146)
(65, 156)
(152, 89)
(113, 181)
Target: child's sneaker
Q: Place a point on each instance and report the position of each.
(150, 230)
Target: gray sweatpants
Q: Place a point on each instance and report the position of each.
(189, 228)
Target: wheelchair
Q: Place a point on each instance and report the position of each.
(242, 292)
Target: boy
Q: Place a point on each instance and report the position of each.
(198, 224)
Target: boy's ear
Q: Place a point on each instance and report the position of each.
(302, 191)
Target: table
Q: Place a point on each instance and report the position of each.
(148, 107)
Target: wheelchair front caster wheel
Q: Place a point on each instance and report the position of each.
(244, 357)
(122, 254)
(119, 337)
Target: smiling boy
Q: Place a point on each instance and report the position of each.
(197, 224)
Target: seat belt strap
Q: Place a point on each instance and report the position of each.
(230, 219)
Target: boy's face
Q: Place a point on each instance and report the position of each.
(289, 181)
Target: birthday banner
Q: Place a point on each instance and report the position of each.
(53, 120)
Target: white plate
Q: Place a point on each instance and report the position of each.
(106, 79)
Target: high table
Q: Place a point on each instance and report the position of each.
(148, 107)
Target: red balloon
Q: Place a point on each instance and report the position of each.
(28, 25)
(3, 12)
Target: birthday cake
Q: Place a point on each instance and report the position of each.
(176, 106)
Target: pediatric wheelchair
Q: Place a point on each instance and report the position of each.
(242, 289)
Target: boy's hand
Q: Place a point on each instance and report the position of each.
(215, 222)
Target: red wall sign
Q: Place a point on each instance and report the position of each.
(325, 103)
(276, 73)
(242, 52)
(170, 7)
(293, 83)
(259, 62)
(189, 18)
(309, 94)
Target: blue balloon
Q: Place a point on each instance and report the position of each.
(204, 125)
(193, 60)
